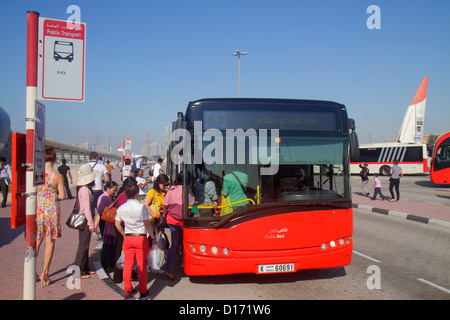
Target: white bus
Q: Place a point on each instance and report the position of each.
(412, 158)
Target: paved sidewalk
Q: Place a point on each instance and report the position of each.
(12, 250)
(100, 286)
(430, 213)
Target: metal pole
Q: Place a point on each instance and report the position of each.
(239, 75)
(238, 54)
(29, 279)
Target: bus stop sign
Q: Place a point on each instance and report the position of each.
(61, 63)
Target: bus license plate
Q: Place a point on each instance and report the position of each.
(275, 268)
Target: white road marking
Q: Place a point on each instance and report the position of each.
(367, 257)
(434, 285)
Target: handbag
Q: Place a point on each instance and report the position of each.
(162, 222)
(77, 219)
(156, 208)
(110, 212)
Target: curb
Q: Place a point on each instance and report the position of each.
(406, 216)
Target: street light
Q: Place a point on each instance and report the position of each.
(238, 54)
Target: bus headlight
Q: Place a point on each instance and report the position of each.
(208, 250)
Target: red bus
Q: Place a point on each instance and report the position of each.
(257, 211)
(440, 163)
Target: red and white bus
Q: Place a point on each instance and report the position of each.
(412, 158)
(276, 213)
(440, 163)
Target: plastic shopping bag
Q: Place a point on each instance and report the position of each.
(120, 261)
(156, 257)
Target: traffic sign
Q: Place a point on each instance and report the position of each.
(61, 64)
(39, 145)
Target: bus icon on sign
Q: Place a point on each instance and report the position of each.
(63, 50)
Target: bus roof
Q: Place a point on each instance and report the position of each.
(325, 112)
(297, 102)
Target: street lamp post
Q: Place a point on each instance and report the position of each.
(238, 54)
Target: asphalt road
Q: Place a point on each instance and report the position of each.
(393, 258)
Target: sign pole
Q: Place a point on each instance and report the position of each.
(29, 283)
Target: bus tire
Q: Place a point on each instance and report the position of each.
(385, 171)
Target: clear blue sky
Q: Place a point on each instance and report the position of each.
(147, 59)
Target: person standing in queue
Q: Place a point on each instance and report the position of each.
(157, 194)
(85, 183)
(157, 169)
(48, 217)
(109, 233)
(134, 215)
(5, 179)
(173, 211)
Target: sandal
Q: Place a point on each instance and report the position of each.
(87, 274)
(170, 276)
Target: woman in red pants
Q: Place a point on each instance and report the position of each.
(134, 215)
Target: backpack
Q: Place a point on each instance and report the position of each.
(126, 172)
(364, 174)
(151, 171)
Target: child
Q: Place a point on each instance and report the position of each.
(377, 187)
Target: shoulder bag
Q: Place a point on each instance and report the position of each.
(155, 206)
(77, 219)
(110, 212)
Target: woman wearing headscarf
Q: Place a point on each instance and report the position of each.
(109, 233)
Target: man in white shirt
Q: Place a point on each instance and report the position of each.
(97, 189)
(5, 179)
(142, 183)
(135, 246)
(157, 170)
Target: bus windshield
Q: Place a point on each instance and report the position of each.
(312, 171)
(442, 156)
